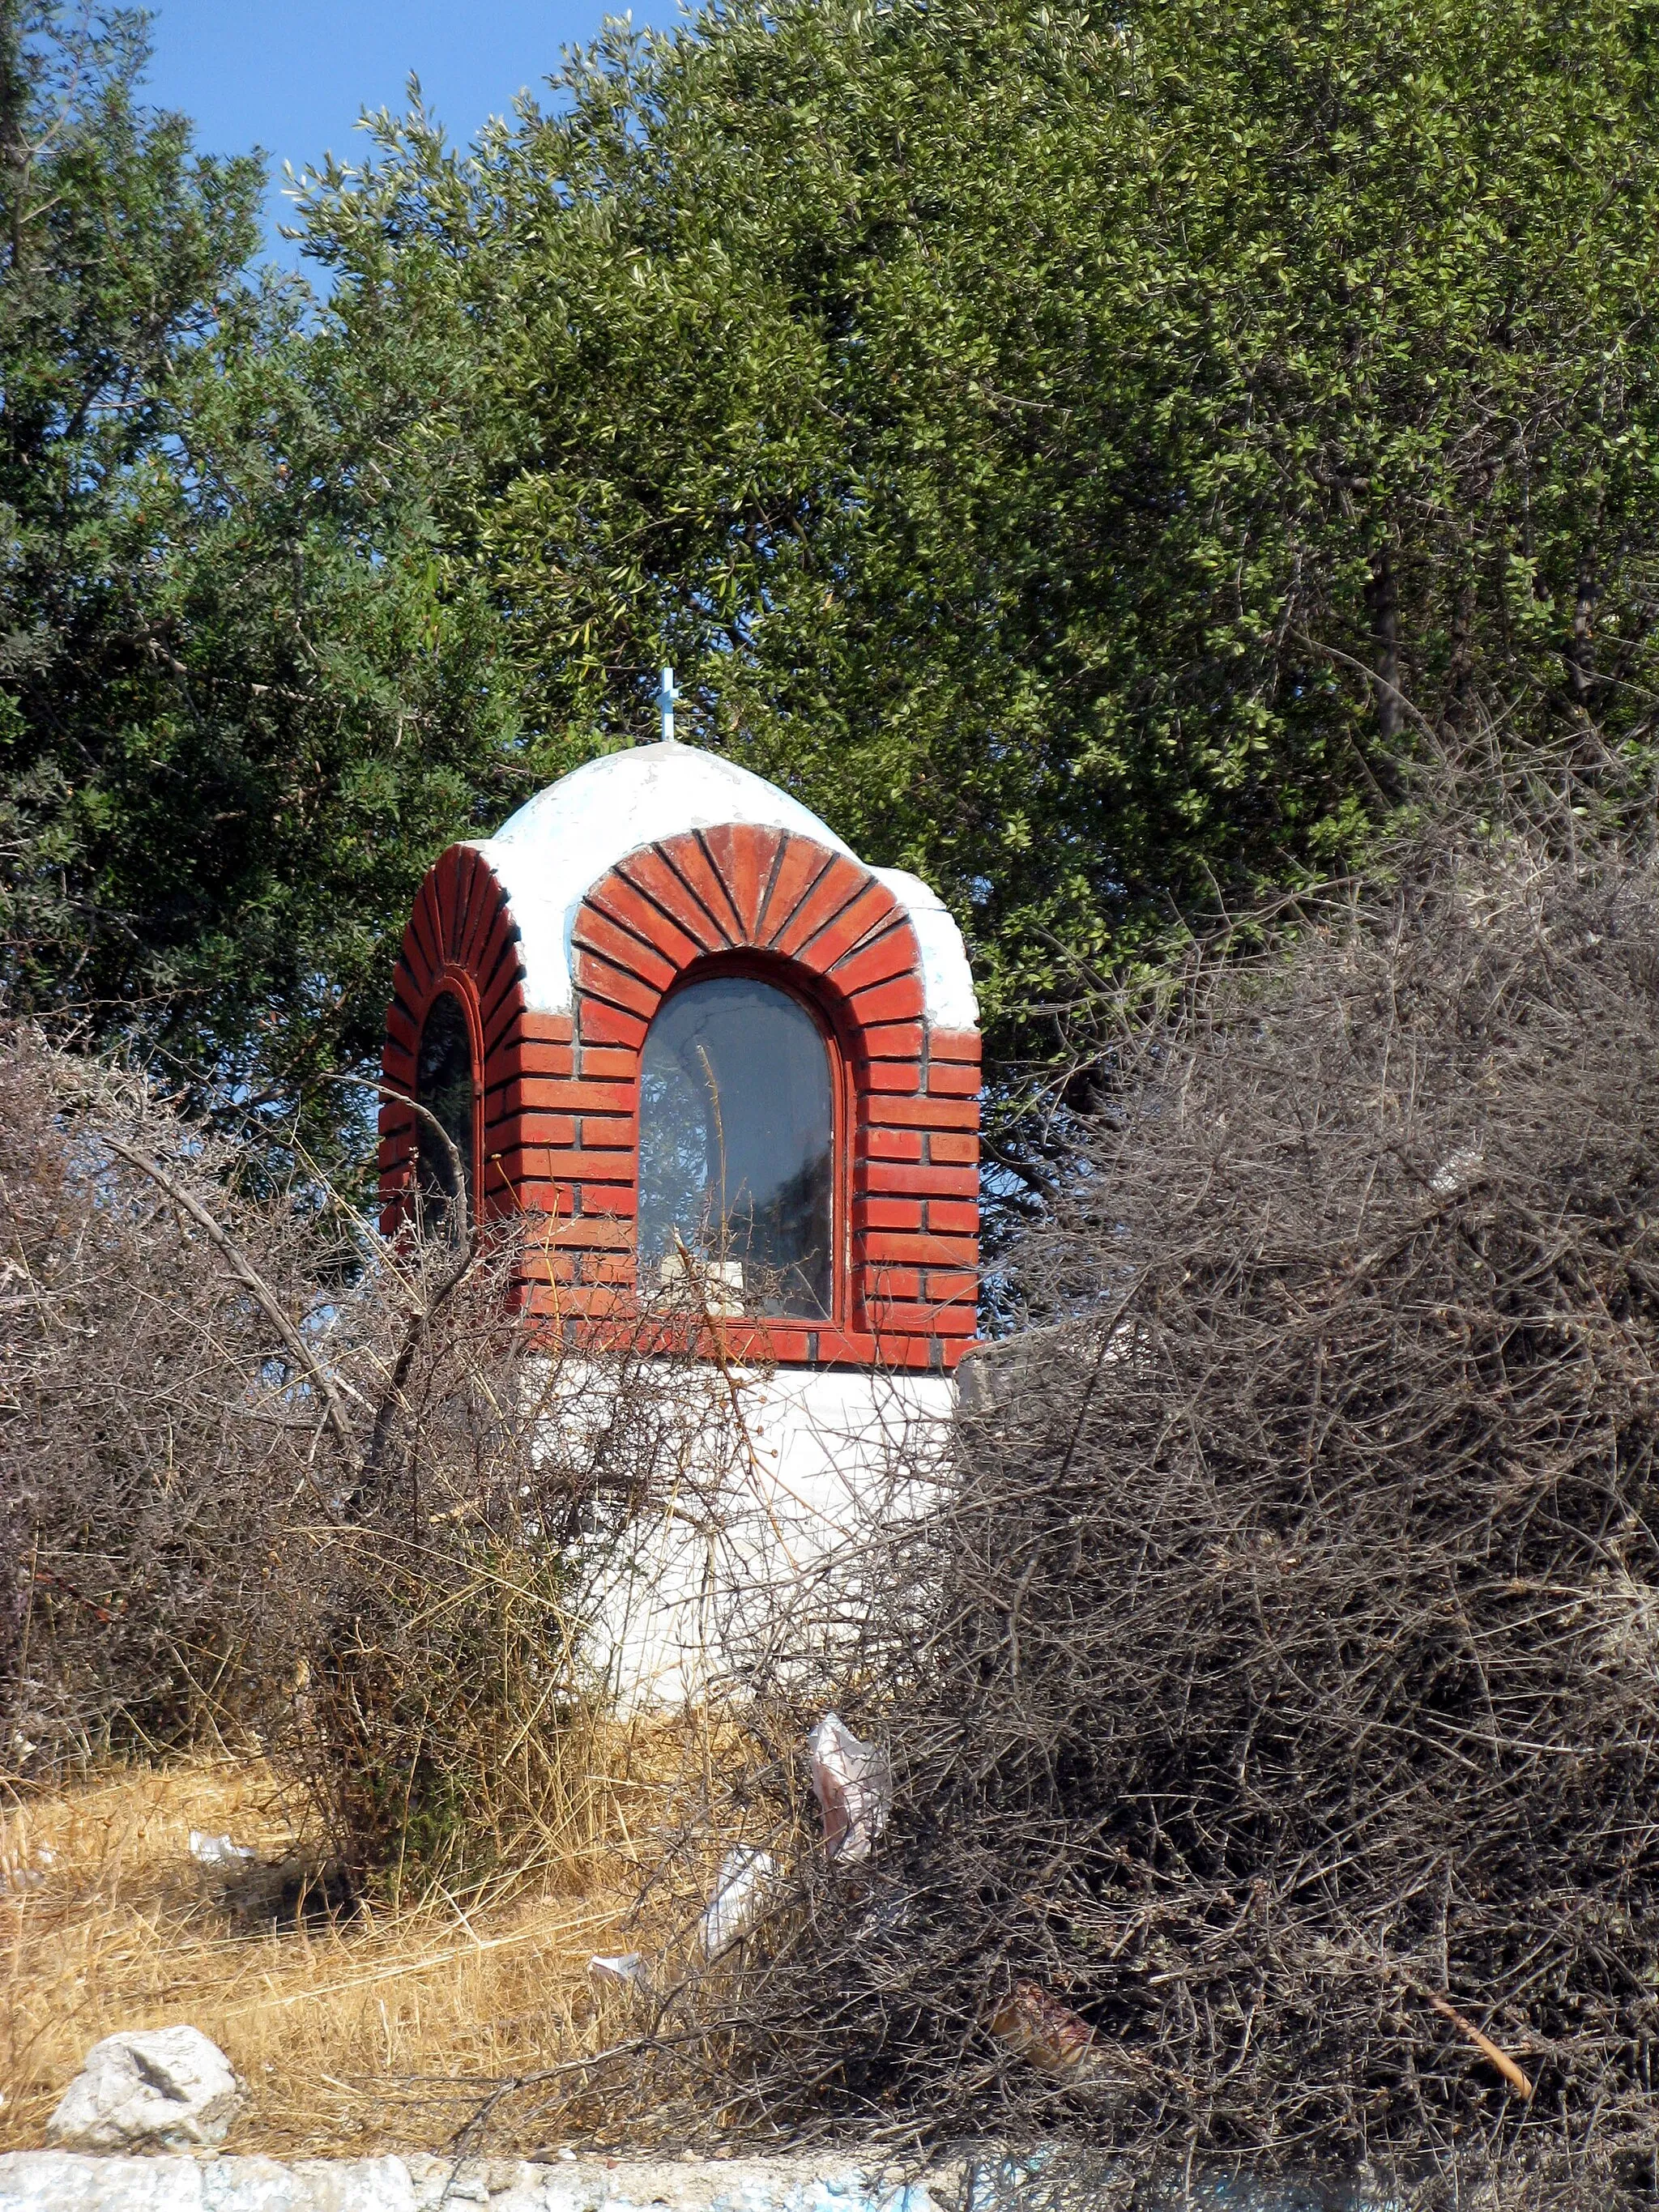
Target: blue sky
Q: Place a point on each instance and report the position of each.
(291, 75)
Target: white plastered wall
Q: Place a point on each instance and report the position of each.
(771, 1487)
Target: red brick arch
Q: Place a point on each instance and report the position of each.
(559, 1094)
(461, 936)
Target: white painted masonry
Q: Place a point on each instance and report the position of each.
(784, 1478)
(61, 2181)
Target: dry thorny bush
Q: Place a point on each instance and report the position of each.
(1273, 1684)
(270, 1475)
(1276, 1685)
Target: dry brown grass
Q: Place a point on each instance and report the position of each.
(373, 2034)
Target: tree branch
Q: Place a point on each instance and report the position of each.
(246, 1274)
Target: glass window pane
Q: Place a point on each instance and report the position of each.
(444, 1087)
(736, 1127)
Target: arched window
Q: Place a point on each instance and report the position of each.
(444, 1087)
(737, 1132)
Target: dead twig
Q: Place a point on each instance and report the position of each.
(242, 1269)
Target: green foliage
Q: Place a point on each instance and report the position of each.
(1033, 429)
(239, 706)
(1086, 454)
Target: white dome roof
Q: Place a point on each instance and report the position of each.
(559, 844)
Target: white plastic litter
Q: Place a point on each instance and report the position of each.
(1454, 1174)
(15, 1874)
(626, 1970)
(218, 1851)
(853, 1786)
(747, 1879)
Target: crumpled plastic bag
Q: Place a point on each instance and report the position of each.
(745, 1888)
(1038, 2027)
(626, 1970)
(15, 1874)
(218, 1851)
(853, 1786)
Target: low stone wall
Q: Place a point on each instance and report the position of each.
(70, 2181)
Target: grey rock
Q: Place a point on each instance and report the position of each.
(162, 2088)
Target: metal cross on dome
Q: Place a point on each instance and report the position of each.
(668, 698)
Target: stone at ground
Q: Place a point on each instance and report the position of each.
(156, 2089)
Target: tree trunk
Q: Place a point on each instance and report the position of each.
(1382, 602)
